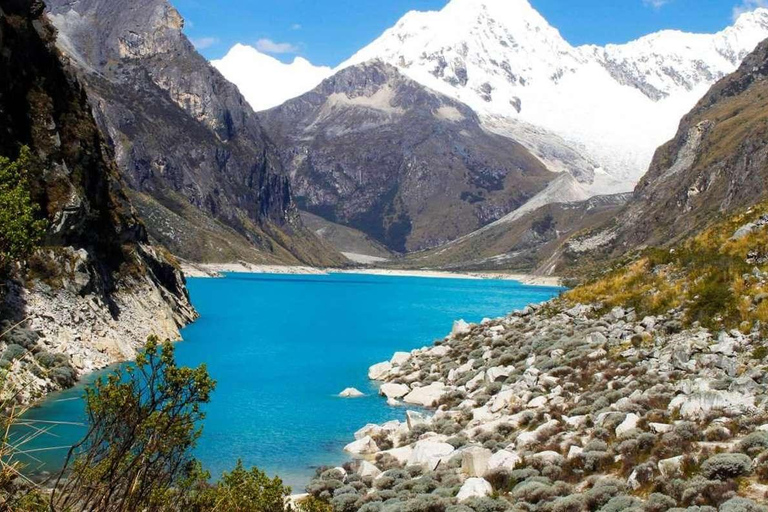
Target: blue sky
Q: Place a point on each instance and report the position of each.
(328, 31)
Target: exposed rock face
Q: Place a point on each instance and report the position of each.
(98, 288)
(184, 138)
(716, 164)
(372, 149)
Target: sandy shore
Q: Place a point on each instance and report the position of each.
(216, 270)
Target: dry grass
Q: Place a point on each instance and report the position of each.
(711, 276)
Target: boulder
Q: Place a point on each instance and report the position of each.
(402, 454)
(629, 423)
(439, 351)
(391, 390)
(364, 446)
(700, 404)
(498, 373)
(428, 454)
(367, 469)
(380, 371)
(460, 328)
(426, 396)
(671, 467)
(660, 428)
(414, 418)
(351, 393)
(574, 451)
(474, 461)
(504, 459)
(400, 358)
(548, 458)
(474, 488)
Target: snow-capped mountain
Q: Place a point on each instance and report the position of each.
(265, 81)
(612, 106)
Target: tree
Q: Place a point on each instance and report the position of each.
(20, 230)
(144, 422)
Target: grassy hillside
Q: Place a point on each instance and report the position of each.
(717, 278)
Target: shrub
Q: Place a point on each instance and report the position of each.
(20, 231)
(573, 503)
(13, 352)
(726, 465)
(622, 504)
(658, 502)
(739, 504)
(486, 505)
(754, 443)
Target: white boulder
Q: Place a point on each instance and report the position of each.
(391, 390)
(498, 373)
(367, 469)
(380, 371)
(700, 404)
(474, 461)
(474, 488)
(426, 396)
(504, 459)
(351, 393)
(400, 358)
(460, 327)
(364, 446)
(671, 467)
(629, 423)
(428, 453)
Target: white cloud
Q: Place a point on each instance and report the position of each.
(270, 46)
(656, 4)
(748, 6)
(296, 26)
(201, 43)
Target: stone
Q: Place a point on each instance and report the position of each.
(391, 390)
(460, 328)
(671, 467)
(596, 338)
(574, 451)
(548, 457)
(539, 401)
(401, 454)
(414, 418)
(474, 488)
(367, 469)
(474, 461)
(428, 453)
(660, 428)
(370, 429)
(699, 404)
(364, 446)
(498, 373)
(351, 393)
(393, 402)
(379, 371)
(439, 351)
(629, 423)
(504, 459)
(426, 396)
(400, 358)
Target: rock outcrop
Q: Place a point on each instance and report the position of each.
(97, 288)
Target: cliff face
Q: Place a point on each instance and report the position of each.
(205, 177)
(97, 288)
(372, 149)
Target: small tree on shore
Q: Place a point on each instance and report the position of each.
(144, 422)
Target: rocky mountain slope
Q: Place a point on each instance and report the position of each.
(372, 149)
(716, 164)
(531, 242)
(622, 404)
(184, 138)
(264, 81)
(503, 59)
(96, 289)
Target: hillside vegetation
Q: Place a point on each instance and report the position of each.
(717, 278)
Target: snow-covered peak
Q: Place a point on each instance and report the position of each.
(614, 105)
(266, 82)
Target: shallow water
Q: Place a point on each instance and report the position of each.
(281, 347)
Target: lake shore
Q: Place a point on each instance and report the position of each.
(214, 270)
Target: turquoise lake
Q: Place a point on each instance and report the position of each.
(282, 347)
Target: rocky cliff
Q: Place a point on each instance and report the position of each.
(374, 150)
(97, 288)
(203, 174)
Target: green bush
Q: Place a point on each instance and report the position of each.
(20, 230)
(726, 465)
